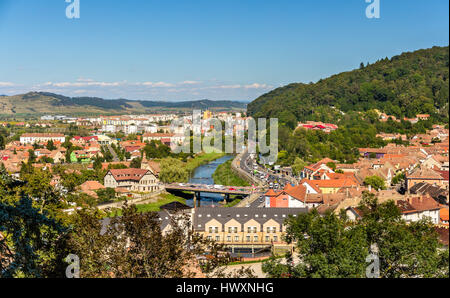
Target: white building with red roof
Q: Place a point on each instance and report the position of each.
(138, 180)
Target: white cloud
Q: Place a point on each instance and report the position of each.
(6, 84)
(257, 86)
(190, 83)
(158, 84)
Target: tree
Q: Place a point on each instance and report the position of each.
(106, 195)
(30, 234)
(137, 248)
(136, 163)
(51, 145)
(298, 166)
(31, 156)
(173, 170)
(35, 243)
(375, 182)
(3, 135)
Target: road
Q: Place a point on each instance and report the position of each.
(266, 176)
(115, 157)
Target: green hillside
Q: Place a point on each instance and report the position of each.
(404, 85)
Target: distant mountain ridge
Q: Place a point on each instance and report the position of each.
(45, 102)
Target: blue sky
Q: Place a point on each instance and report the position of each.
(193, 49)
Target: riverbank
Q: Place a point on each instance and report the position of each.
(224, 175)
(202, 159)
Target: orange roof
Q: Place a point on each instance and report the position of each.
(297, 192)
(424, 203)
(444, 214)
(91, 185)
(271, 193)
(333, 183)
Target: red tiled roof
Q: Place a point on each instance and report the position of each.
(128, 174)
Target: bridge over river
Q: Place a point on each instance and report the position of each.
(197, 189)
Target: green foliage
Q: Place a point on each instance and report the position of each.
(106, 195)
(156, 149)
(376, 182)
(3, 136)
(173, 170)
(398, 178)
(136, 163)
(224, 175)
(298, 166)
(51, 145)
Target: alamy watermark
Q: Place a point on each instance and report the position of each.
(73, 270)
(237, 136)
(373, 10)
(373, 269)
(73, 9)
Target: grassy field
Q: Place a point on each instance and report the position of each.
(153, 207)
(224, 175)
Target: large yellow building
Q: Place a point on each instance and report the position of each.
(243, 226)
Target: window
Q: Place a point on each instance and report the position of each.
(248, 238)
(229, 238)
(267, 239)
(275, 238)
(255, 238)
(236, 238)
(217, 238)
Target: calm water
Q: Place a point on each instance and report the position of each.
(203, 175)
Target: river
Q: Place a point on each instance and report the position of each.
(203, 175)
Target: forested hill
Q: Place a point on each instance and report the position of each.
(404, 85)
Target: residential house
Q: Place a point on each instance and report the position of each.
(138, 180)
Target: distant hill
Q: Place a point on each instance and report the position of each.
(49, 103)
(404, 85)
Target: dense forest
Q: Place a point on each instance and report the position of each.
(403, 86)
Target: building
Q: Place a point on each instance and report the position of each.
(423, 174)
(412, 209)
(291, 197)
(417, 208)
(32, 138)
(138, 180)
(309, 172)
(243, 226)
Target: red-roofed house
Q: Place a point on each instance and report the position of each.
(138, 180)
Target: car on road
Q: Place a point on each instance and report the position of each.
(231, 188)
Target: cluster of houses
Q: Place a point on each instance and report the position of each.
(420, 117)
(313, 125)
(328, 185)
